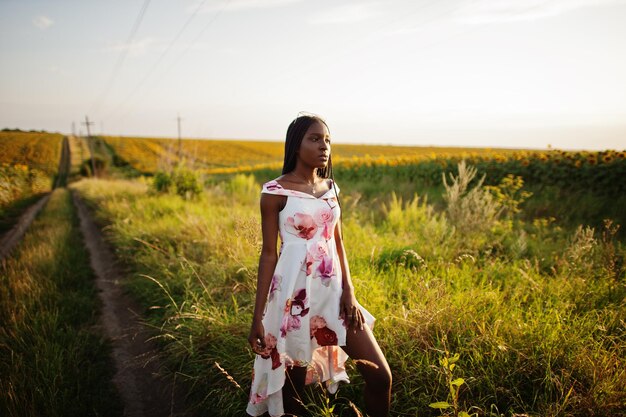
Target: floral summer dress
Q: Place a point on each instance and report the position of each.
(301, 317)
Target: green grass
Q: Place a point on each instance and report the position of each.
(53, 359)
(534, 310)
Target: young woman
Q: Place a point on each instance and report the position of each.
(306, 318)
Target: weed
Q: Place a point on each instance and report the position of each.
(470, 210)
(448, 370)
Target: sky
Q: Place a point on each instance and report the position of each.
(485, 73)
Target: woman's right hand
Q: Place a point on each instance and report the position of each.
(257, 337)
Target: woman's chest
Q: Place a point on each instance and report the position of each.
(308, 215)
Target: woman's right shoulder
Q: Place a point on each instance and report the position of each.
(272, 191)
(274, 187)
(272, 200)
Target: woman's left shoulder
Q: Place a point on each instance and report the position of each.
(332, 185)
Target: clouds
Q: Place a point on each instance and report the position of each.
(496, 11)
(43, 22)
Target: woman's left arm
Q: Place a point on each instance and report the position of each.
(348, 310)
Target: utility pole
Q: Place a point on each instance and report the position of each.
(93, 163)
(80, 133)
(179, 139)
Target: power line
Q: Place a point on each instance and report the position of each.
(219, 12)
(209, 23)
(189, 46)
(120, 60)
(372, 35)
(158, 61)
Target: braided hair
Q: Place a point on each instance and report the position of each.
(295, 133)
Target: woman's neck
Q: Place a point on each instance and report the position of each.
(305, 175)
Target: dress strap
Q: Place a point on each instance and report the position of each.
(273, 187)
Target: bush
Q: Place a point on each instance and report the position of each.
(162, 182)
(86, 168)
(403, 257)
(472, 210)
(182, 181)
(186, 183)
(243, 188)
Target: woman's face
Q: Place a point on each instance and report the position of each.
(315, 147)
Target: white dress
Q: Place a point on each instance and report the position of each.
(301, 317)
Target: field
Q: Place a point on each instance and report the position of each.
(148, 155)
(39, 151)
(519, 280)
(29, 164)
(534, 310)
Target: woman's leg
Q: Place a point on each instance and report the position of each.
(362, 346)
(293, 389)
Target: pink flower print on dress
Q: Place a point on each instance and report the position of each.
(288, 324)
(294, 309)
(323, 335)
(324, 218)
(318, 250)
(261, 394)
(308, 262)
(301, 225)
(276, 281)
(298, 304)
(316, 322)
(273, 185)
(327, 232)
(270, 350)
(325, 270)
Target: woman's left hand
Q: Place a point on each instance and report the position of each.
(349, 311)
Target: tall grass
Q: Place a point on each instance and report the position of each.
(534, 312)
(18, 183)
(53, 360)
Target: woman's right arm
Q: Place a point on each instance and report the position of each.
(270, 207)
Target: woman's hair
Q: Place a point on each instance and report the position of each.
(295, 133)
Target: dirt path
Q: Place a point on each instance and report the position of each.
(135, 357)
(64, 164)
(13, 236)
